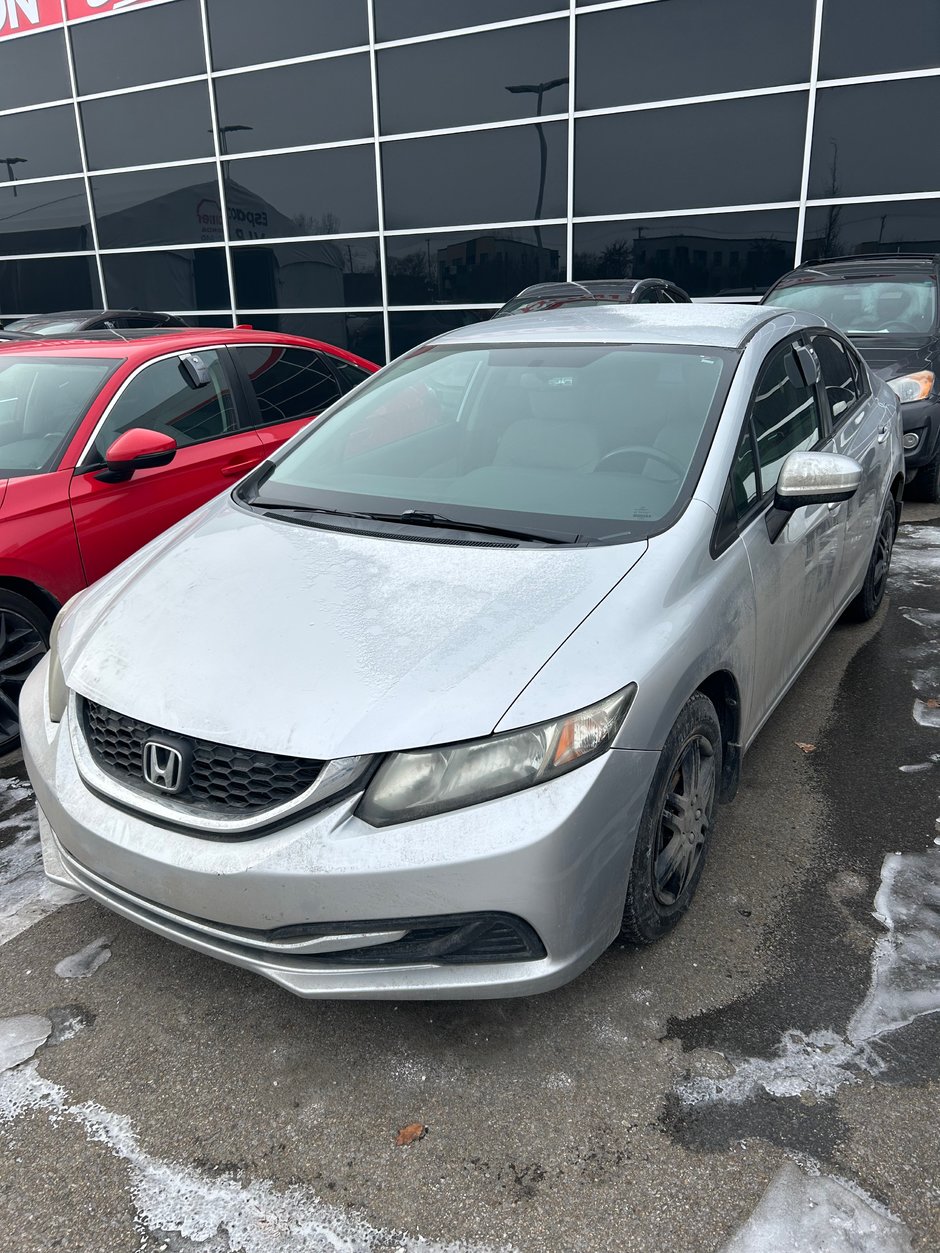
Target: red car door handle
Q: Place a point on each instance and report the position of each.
(235, 469)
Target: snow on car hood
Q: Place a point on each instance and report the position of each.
(283, 638)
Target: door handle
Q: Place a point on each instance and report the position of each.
(883, 433)
(235, 469)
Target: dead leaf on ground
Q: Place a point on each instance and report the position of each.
(408, 1135)
(806, 748)
(933, 703)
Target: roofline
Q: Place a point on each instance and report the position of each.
(862, 258)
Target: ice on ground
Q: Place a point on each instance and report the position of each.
(26, 895)
(214, 1212)
(926, 715)
(918, 767)
(86, 961)
(801, 1213)
(915, 560)
(20, 1037)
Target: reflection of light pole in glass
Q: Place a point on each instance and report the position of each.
(539, 89)
(9, 162)
(227, 130)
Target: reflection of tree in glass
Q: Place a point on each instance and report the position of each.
(326, 224)
(614, 261)
(830, 244)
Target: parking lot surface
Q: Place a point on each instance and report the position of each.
(765, 1078)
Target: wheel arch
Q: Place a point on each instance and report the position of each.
(44, 601)
(721, 688)
(897, 491)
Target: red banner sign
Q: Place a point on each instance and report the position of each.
(19, 16)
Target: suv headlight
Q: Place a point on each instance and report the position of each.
(433, 780)
(912, 386)
(57, 693)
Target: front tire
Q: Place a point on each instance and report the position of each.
(867, 603)
(675, 830)
(24, 638)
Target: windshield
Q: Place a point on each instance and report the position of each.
(871, 306)
(590, 441)
(42, 400)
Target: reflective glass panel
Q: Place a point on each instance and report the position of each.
(331, 273)
(302, 193)
(473, 266)
(361, 333)
(167, 124)
(40, 285)
(690, 156)
(194, 278)
(633, 54)
(179, 205)
(149, 45)
(258, 110)
(859, 37)
(246, 33)
(44, 217)
(33, 145)
(398, 19)
(482, 176)
(409, 329)
(719, 254)
(870, 139)
(886, 226)
(33, 70)
(498, 74)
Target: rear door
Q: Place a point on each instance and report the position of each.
(860, 430)
(286, 388)
(113, 520)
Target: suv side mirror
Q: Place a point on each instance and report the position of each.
(811, 478)
(136, 449)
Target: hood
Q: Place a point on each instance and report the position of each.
(291, 639)
(891, 360)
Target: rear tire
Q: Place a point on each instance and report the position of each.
(867, 603)
(675, 830)
(24, 639)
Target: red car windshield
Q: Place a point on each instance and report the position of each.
(42, 400)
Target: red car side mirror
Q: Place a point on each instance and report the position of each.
(137, 449)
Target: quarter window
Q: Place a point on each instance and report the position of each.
(160, 399)
(785, 417)
(288, 383)
(839, 375)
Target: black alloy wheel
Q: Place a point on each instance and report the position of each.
(24, 638)
(685, 820)
(867, 603)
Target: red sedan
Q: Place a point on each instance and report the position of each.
(104, 443)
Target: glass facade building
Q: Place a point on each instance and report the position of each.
(373, 172)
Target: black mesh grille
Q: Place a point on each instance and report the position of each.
(223, 781)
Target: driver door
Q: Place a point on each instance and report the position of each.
(113, 520)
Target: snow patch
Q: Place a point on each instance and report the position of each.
(86, 961)
(215, 1212)
(20, 1038)
(915, 559)
(917, 768)
(926, 715)
(26, 895)
(799, 1212)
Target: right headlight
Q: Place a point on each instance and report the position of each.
(433, 780)
(57, 693)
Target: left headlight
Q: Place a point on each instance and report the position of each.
(433, 780)
(912, 386)
(57, 694)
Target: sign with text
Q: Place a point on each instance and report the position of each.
(19, 16)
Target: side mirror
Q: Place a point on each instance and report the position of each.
(195, 371)
(811, 478)
(137, 449)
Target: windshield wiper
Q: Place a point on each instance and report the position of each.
(418, 517)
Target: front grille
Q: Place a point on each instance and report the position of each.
(222, 781)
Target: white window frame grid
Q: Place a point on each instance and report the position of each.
(570, 13)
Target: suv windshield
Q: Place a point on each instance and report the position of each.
(42, 400)
(869, 306)
(586, 441)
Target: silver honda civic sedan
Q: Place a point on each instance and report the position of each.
(444, 696)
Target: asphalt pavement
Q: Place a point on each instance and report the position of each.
(766, 1078)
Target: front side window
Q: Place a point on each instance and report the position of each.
(288, 383)
(839, 376)
(42, 400)
(785, 416)
(160, 398)
(595, 441)
(871, 306)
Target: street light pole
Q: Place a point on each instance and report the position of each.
(9, 162)
(539, 90)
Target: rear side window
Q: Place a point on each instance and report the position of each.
(839, 376)
(288, 383)
(785, 417)
(160, 399)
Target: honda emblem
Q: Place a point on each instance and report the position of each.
(163, 766)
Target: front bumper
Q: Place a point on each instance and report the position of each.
(556, 856)
(921, 417)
